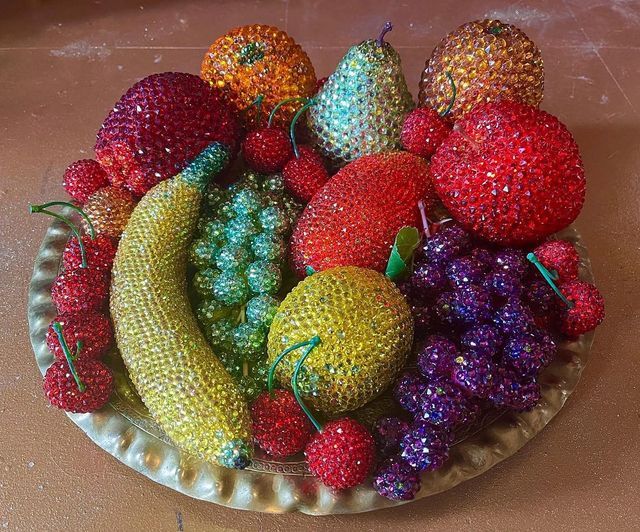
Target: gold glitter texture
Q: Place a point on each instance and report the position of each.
(488, 60)
(182, 383)
(109, 209)
(259, 60)
(365, 329)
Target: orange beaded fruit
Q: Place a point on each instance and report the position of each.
(488, 60)
(109, 210)
(260, 60)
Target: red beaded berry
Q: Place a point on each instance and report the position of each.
(559, 256)
(587, 310)
(267, 149)
(83, 178)
(342, 454)
(280, 427)
(62, 390)
(100, 252)
(510, 173)
(92, 329)
(305, 174)
(423, 131)
(80, 290)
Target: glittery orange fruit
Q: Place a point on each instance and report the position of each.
(260, 60)
(488, 60)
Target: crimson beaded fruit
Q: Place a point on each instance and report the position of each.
(280, 427)
(342, 454)
(267, 149)
(83, 178)
(93, 329)
(159, 125)
(587, 310)
(63, 391)
(354, 219)
(559, 256)
(305, 174)
(423, 131)
(510, 173)
(80, 290)
(100, 252)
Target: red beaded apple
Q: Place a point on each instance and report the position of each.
(510, 173)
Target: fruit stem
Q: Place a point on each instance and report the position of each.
(283, 102)
(425, 220)
(257, 103)
(42, 209)
(549, 277)
(454, 92)
(57, 328)
(292, 127)
(272, 369)
(385, 29)
(294, 382)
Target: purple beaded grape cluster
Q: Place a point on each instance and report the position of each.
(479, 316)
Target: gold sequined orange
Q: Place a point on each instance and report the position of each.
(109, 210)
(488, 60)
(259, 60)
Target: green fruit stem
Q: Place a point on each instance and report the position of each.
(57, 328)
(385, 29)
(292, 127)
(272, 369)
(454, 92)
(284, 102)
(550, 277)
(313, 342)
(257, 103)
(43, 209)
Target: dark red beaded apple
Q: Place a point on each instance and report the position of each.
(83, 178)
(92, 330)
(510, 173)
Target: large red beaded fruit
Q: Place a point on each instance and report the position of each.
(305, 173)
(587, 310)
(354, 219)
(280, 427)
(62, 390)
(100, 252)
(510, 173)
(342, 454)
(92, 329)
(80, 290)
(423, 131)
(83, 178)
(559, 256)
(267, 149)
(159, 125)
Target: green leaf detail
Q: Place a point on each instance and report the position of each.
(401, 257)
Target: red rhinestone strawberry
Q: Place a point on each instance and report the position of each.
(423, 131)
(305, 174)
(100, 252)
(587, 310)
(342, 454)
(267, 149)
(510, 173)
(93, 330)
(83, 178)
(559, 256)
(80, 290)
(280, 427)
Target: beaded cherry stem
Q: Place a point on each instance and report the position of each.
(294, 383)
(292, 127)
(43, 209)
(57, 328)
(284, 102)
(550, 277)
(385, 29)
(257, 103)
(454, 92)
(310, 344)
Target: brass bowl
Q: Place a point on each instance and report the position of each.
(124, 428)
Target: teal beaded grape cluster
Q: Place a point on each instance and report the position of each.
(240, 261)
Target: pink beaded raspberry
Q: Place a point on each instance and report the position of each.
(559, 256)
(267, 149)
(342, 454)
(159, 125)
(423, 131)
(100, 252)
(510, 173)
(83, 178)
(92, 329)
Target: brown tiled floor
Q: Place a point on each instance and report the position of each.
(63, 64)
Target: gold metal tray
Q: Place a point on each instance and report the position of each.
(124, 428)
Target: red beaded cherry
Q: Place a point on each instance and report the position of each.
(510, 173)
(80, 290)
(305, 174)
(423, 131)
(586, 311)
(559, 256)
(83, 178)
(342, 454)
(267, 149)
(100, 252)
(280, 427)
(93, 330)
